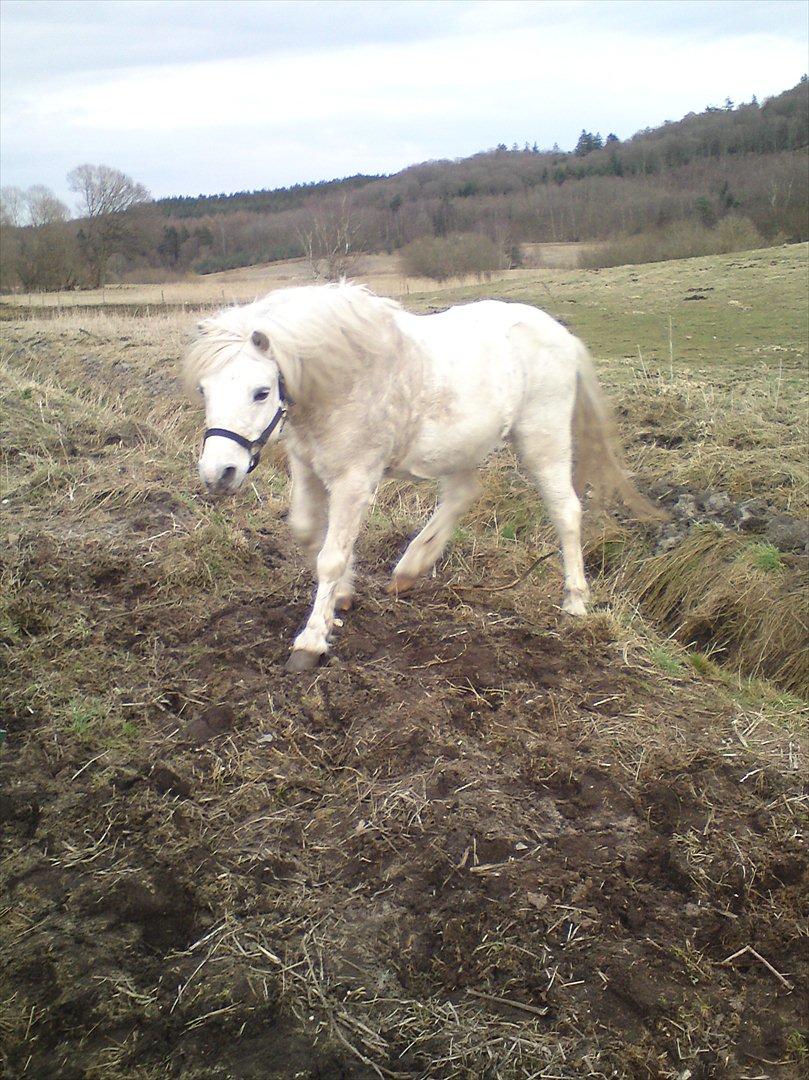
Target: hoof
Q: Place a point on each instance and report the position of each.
(344, 603)
(303, 660)
(401, 583)
(575, 607)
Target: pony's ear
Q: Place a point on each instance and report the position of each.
(260, 340)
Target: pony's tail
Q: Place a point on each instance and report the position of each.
(597, 460)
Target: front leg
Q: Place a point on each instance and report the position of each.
(348, 501)
(307, 508)
(308, 519)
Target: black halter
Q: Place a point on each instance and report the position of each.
(254, 448)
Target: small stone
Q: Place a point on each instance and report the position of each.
(789, 533)
(685, 506)
(718, 503)
(669, 543)
(753, 515)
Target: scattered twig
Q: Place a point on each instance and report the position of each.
(87, 764)
(757, 956)
(511, 584)
(508, 1001)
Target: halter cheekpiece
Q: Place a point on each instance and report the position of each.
(255, 447)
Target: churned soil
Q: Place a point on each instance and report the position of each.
(481, 841)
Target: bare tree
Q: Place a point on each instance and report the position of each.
(11, 211)
(330, 242)
(103, 190)
(105, 194)
(38, 245)
(43, 206)
(12, 206)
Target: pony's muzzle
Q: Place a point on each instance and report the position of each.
(222, 479)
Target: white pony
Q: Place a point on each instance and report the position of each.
(359, 389)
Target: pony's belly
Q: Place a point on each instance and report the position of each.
(433, 462)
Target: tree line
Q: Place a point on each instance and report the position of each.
(744, 165)
(43, 249)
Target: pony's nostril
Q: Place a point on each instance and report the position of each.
(228, 474)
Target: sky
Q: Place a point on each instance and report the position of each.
(206, 96)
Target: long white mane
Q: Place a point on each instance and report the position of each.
(320, 335)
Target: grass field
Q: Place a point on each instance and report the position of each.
(383, 273)
(481, 841)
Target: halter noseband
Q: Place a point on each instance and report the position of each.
(255, 447)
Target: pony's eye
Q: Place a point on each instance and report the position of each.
(200, 391)
(261, 395)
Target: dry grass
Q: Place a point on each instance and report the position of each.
(320, 833)
(742, 432)
(735, 599)
(383, 273)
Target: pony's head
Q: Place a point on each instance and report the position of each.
(236, 375)
(306, 343)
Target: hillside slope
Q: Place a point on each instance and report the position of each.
(746, 161)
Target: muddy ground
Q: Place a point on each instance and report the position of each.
(482, 841)
(459, 802)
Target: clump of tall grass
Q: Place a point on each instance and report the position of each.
(736, 598)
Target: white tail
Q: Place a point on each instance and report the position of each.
(598, 463)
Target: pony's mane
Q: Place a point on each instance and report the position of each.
(320, 335)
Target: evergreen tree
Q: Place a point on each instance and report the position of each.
(587, 143)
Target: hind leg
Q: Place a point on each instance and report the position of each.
(548, 459)
(456, 493)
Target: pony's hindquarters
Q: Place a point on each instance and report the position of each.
(565, 418)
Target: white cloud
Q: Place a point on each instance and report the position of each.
(386, 96)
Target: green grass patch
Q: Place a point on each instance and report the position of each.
(462, 534)
(666, 660)
(702, 664)
(766, 557)
(797, 1046)
(84, 714)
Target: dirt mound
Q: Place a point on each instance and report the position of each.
(467, 846)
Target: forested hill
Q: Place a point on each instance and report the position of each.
(746, 162)
(780, 124)
(265, 202)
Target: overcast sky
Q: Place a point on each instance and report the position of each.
(191, 96)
